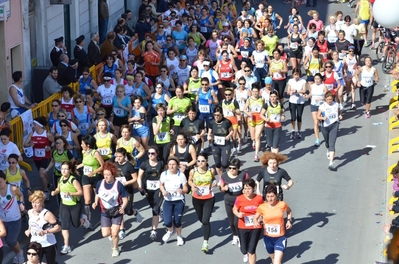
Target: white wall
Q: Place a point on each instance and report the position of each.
(116, 8)
(54, 23)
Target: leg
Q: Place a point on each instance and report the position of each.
(292, 108)
(333, 133)
(87, 197)
(277, 132)
(230, 217)
(217, 156)
(177, 216)
(299, 113)
(258, 132)
(315, 125)
(206, 216)
(369, 97)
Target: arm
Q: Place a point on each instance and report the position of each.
(289, 218)
(140, 149)
(193, 154)
(101, 161)
(140, 179)
(3, 231)
(281, 20)
(76, 142)
(26, 181)
(55, 227)
(215, 98)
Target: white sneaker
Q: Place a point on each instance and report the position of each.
(180, 241)
(138, 216)
(239, 148)
(345, 98)
(86, 223)
(115, 252)
(235, 241)
(233, 152)
(19, 258)
(341, 107)
(153, 235)
(122, 234)
(245, 258)
(65, 250)
(328, 154)
(110, 238)
(166, 237)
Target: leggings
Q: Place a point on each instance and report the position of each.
(273, 136)
(70, 214)
(155, 199)
(330, 135)
(296, 111)
(260, 74)
(173, 209)
(249, 240)
(12, 231)
(279, 86)
(366, 94)
(221, 155)
(233, 220)
(164, 150)
(51, 253)
(204, 208)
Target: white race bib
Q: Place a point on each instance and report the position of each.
(163, 136)
(104, 151)
(137, 126)
(202, 190)
(69, 115)
(105, 196)
(40, 152)
(314, 71)
(277, 75)
(87, 170)
(329, 86)
(107, 101)
(58, 166)
(119, 111)
(204, 29)
(368, 82)
(194, 139)
(152, 185)
(66, 197)
(204, 108)
(225, 74)
(179, 116)
(219, 140)
(341, 55)
(83, 126)
(272, 229)
(249, 220)
(275, 118)
(256, 108)
(121, 179)
(235, 187)
(293, 45)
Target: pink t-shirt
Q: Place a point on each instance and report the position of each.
(319, 24)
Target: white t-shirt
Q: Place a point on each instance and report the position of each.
(106, 94)
(5, 151)
(331, 112)
(317, 94)
(171, 184)
(259, 58)
(297, 98)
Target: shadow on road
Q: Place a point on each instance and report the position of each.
(330, 259)
(302, 224)
(353, 155)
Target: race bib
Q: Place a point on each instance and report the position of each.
(249, 220)
(272, 229)
(277, 75)
(163, 136)
(40, 152)
(87, 170)
(275, 117)
(340, 76)
(137, 126)
(152, 185)
(83, 126)
(119, 111)
(203, 190)
(329, 86)
(105, 196)
(4, 162)
(368, 82)
(69, 115)
(180, 42)
(107, 101)
(204, 108)
(219, 140)
(235, 187)
(66, 197)
(228, 112)
(244, 54)
(341, 55)
(256, 108)
(293, 45)
(225, 74)
(194, 91)
(179, 116)
(104, 151)
(121, 179)
(204, 29)
(194, 139)
(58, 166)
(313, 72)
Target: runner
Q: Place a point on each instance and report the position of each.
(278, 69)
(241, 94)
(351, 65)
(271, 214)
(138, 118)
(182, 149)
(202, 180)
(316, 93)
(206, 101)
(177, 107)
(231, 110)
(195, 128)
(104, 140)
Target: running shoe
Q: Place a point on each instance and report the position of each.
(331, 166)
(19, 258)
(367, 115)
(236, 241)
(345, 97)
(153, 235)
(382, 59)
(205, 247)
(161, 216)
(298, 135)
(65, 250)
(233, 152)
(138, 216)
(115, 252)
(168, 234)
(86, 223)
(292, 135)
(180, 241)
(110, 238)
(256, 159)
(317, 143)
(122, 234)
(245, 258)
(328, 154)
(353, 107)
(341, 107)
(239, 148)
(253, 144)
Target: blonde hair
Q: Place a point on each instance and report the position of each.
(312, 12)
(37, 195)
(333, 17)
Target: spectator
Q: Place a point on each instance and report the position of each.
(121, 41)
(108, 46)
(58, 49)
(63, 78)
(80, 54)
(50, 84)
(93, 50)
(19, 102)
(143, 26)
(4, 111)
(103, 14)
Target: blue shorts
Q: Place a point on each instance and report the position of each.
(310, 78)
(275, 243)
(140, 132)
(314, 108)
(365, 22)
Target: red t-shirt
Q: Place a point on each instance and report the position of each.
(248, 207)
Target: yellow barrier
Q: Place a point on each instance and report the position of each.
(392, 105)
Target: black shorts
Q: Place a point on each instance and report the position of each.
(119, 121)
(296, 54)
(108, 110)
(226, 84)
(375, 24)
(91, 180)
(42, 163)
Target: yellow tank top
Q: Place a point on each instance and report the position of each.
(314, 66)
(128, 146)
(255, 105)
(228, 109)
(203, 182)
(364, 10)
(275, 66)
(104, 145)
(14, 179)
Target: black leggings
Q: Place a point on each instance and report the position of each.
(155, 199)
(70, 214)
(279, 86)
(366, 94)
(233, 220)
(221, 155)
(273, 136)
(330, 134)
(164, 150)
(51, 253)
(296, 111)
(204, 208)
(249, 240)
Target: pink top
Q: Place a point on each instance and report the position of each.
(319, 24)
(395, 183)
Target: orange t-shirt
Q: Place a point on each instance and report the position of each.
(273, 218)
(248, 207)
(149, 58)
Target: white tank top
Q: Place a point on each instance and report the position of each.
(351, 64)
(317, 93)
(331, 112)
(166, 82)
(191, 55)
(20, 94)
(109, 197)
(9, 209)
(367, 77)
(174, 62)
(265, 95)
(241, 97)
(36, 223)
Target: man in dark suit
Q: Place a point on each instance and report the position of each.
(58, 49)
(80, 54)
(94, 50)
(65, 75)
(120, 41)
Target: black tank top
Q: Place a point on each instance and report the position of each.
(296, 39)
(185, 156)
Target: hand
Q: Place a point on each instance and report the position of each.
(240, 215)
(180, 190)
(121, 210)
(340, 117)
(53, 193)
(267, 120)
(288, 225)
(225, 188)
(21, 207)
(94, 205)
(165, 193)
(27, 233)
(227, 138)
(29, 192)
(160, 119)
(285, 187)
(90, 174)
(193, 189)
(210, 101)
(140, 189)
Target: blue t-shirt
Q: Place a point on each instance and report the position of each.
(180, 38)
(118, 111)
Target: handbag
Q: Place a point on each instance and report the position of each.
(112, 212)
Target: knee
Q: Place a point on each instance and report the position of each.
(11, 241)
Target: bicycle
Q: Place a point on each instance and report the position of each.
(390, 58)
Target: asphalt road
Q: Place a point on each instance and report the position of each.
(338, 215)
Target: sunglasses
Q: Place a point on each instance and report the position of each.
(241, 83)
(31, 254)
(63, 125)
(85, 74)
(100, 114)
(247, 70)
(114, 54)
(78, 102)
(107, 80)
(328, 66)
(232, 168)
(351, 51)
(206, 65)
(182, 60)
(151, 153)
(227, 94)
(55, 105)
(62, 116)
(216, 114)
(201, 160)
(204, 84)
(12, 162)
(160, 27)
